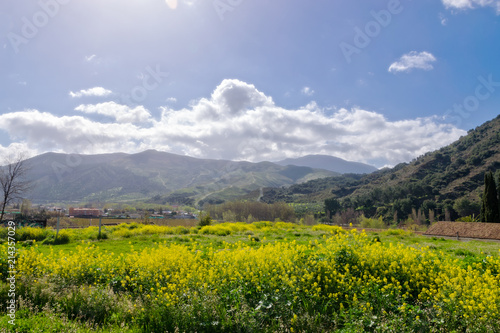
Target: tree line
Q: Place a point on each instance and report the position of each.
(417, 202)
(250, 211)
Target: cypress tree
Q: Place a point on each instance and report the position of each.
(498, 192)
(490, 211)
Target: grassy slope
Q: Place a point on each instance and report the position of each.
(451, 172)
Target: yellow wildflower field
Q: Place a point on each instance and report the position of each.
(342, 281)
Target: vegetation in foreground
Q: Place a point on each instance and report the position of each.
(260, 277)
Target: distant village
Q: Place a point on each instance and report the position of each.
(106, 213)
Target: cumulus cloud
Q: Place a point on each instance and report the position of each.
(237, 122)
(121, 113)
(470, 4)
(14, 148)
(96, 91)
(409, 61)
(43, 131)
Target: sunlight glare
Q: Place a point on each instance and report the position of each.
(172, 3)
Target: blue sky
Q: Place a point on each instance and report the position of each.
(380, 82)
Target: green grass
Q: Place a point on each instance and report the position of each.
(28, 320)
(54, 323)
(458, 249)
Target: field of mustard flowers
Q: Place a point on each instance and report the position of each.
(237, 277)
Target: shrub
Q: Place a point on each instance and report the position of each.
(28, 233)
(470, 218)
(124, 233)
(372, 223)
(205, 220)
(328, 228)
(181, 230)
(62, 238)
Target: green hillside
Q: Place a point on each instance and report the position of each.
(449, 180)
(154, 176)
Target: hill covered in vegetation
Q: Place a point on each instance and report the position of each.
(155, 176)
(449, 182)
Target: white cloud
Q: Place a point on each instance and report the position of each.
(43, 131)
(443, 19)
(236, 122)
(90, 58)
(121, 113)
(307, 91)
(14, 148)
(96, 91)
(409, 61)
(470, 4)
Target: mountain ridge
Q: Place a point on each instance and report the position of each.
(120, 176)
(331, 163)
(449, 180)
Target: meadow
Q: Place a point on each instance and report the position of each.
(259, 277)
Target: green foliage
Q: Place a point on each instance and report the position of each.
(205, 220)
(28, 233)
(361, 301)
(447, 182)
(332, 205)
(372, 223)
(498, 187)
(240, 210)
(465, 207)
(470, 218)
(490, 207)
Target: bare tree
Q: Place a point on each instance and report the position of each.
(13, 180)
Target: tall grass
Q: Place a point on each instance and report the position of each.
(341, 282)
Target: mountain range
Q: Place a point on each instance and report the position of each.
(450, 179)
(162, 177)
(436, 180)
(331, 163)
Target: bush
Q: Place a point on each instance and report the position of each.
(372, 223)
(181, 230)
(62, 238)
(124, 233)
(468, 219)
(205, 220)
(28, 233)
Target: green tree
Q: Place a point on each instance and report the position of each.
(332, 205)
(465, 207)
(498, 189)
(490, 209)
(205, 220)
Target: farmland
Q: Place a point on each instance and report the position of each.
(259, 277)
